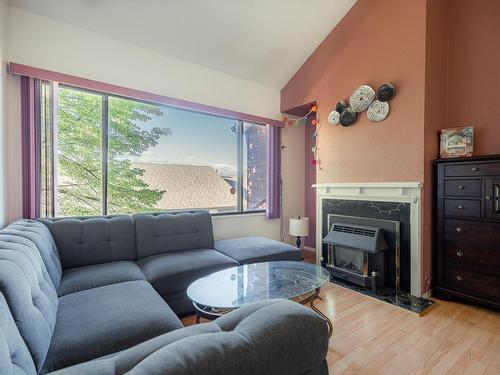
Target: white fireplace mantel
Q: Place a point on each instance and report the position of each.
(407, 192)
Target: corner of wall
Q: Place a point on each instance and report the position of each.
(292, 174)
(434, 118)
(4, 10)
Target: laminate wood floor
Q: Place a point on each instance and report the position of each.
(372, 337)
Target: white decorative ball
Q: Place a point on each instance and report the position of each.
(361, 98)
(333, 118)
(378, 111)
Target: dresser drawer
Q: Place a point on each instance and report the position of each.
(478, 283)
(476, 231)
(462, 208)
(462, 188)
(464, 254)
(476, 169)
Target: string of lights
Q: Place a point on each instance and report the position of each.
(337, 204)
(314, 122)
(372, 205)
(390, 211)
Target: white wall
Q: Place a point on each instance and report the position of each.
(49, 44)
(292, 174)
(45, 43)
(3, 108)
(13, 165)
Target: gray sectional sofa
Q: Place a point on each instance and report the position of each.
(102, 295)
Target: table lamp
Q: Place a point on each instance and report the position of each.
(299, 227)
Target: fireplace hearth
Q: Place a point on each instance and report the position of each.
(368, 251)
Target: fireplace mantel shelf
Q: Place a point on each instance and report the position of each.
(418, 185)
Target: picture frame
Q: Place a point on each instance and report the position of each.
(457, 142)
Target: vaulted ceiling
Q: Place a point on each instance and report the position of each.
(265, 41)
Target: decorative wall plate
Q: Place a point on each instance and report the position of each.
(361, 98)
(378, 111)
(348, 116)
(333, 118)
(385, 92)
(341, 106)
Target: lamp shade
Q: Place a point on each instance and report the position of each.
(299, 226)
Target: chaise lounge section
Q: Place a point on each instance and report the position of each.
(104, 293)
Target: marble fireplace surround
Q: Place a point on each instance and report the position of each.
(406, 192)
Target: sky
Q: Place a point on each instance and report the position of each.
(196, 139)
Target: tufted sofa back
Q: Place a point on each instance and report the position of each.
(162, 232)
(84, 241)
(15, 357)
(41, 237)
(29, 292)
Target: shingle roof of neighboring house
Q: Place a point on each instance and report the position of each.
(187, 186)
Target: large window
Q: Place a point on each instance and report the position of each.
(116, 155)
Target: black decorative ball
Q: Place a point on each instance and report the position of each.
(385, 92)
(341, 106)
(348, 116)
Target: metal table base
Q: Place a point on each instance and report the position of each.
(212, 313)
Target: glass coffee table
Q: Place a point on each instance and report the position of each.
(223, 291)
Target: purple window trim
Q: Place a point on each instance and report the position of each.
(30, 119)
(47, 75)
(273, 210)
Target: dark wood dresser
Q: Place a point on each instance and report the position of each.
(467, 241)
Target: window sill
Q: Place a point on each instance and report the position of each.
(223, 215)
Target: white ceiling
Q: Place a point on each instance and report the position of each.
(265, 41)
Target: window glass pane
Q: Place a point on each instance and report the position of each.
(117, 155)
(254, 166)
(79, 153)
(46, 148)
(161, 158)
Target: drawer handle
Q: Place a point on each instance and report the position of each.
(459, 253)
(460, 278)
(488, 198)
(460, 229)
(460, 207)
(461, 187)
(475, 169)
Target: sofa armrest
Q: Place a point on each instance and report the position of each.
(270, 337)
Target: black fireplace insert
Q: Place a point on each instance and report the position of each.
(356, 253)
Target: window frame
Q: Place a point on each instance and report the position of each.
(105, 148)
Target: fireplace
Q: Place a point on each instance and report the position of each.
(394, 208)
(356, 253)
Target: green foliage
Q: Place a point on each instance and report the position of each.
(80, 145)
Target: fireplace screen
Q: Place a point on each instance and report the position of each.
(350, 259)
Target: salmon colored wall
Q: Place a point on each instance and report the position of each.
(443, 58)
(474, 71)
(378, 41)
(310, 179)
(462, 79)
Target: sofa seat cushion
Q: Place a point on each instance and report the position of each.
(269, 337)
(173, 272)
(88, 277)
(248, 250)
(104, 320)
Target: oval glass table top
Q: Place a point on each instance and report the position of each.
(238, 286)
